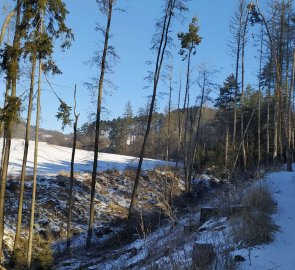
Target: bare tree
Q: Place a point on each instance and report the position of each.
(106, 7)
(70, 201)
(161, 45)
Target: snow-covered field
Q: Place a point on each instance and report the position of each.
(53, 159)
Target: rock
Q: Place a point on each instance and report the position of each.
(209, 212)
(239, 258)
(203, 255)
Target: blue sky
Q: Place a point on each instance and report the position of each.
(132, 32)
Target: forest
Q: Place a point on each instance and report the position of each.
(234, 130)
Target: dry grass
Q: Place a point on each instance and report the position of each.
(256, 226)
(129, 173)
(118, 210)
(260, 198)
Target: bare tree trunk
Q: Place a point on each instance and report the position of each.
(268, 118)
(259, 104)
(168, 138)
(240, 146)
(289, 118)
(242, 95)
(8, 19)
(70, 201)
(180, 123)
(25, 156)
(35, 170)
(186, 145)
(97, 123)
(226, 145)
(13, 78)
(277, 85)
(160, 57)
(241, 11)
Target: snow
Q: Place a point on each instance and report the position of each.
(53, 159)
(276, 255)
(280, 253)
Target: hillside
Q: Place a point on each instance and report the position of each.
(53, 159)
(175, 245)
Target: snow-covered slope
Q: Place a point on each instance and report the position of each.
(280, 253)
(53, 159)
(172, 245)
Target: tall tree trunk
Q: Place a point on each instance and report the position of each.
(13, 77)
(8, 19)
(180, 124)
(241, 11)
(278, 84)
(268, 115)
(244, 157)
(97, 123)
(289, 118)
(160, 56)
(70, 201)
(35, 170)
(25, 156)
(168, 139)
(259, 104)
(226, 146)
(186, 144)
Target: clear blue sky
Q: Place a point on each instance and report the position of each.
(132, 33)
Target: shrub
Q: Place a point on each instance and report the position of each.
(42, 255)
(260, 197)
(256, 226)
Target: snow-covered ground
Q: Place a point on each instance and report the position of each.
(54, 159)
(280, 253)
(172, 245)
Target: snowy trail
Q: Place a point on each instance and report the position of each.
(280, 253)
(52, 159)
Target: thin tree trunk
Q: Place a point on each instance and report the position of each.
(226, 145)
(168, 139)
(240, 146)
(70, 201)
(13, 78)
(25, 156)
(32, 218)
(160, 57)
(277, 85)
(259, 105)
(8, 19)
(97, 123)
(242, 95)
(237, 75)
(289, 121)
(178, 143)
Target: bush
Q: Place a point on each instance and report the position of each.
(256, 226)
(42, 255)
(260, 197)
